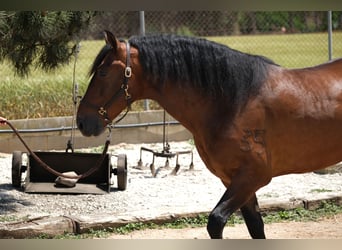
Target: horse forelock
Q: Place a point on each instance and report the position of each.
(99, 58)
(211, 67)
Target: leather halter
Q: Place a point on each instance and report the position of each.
(102, 110)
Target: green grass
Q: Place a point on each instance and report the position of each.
(327, 209)
(8, 218)
(49, 94)
(320, 190)
(12, 218)
(288, 50)
(44, 94)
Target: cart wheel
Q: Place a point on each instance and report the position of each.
(16, 168)
(122, 172)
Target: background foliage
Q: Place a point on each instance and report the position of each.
(37, 47)
(40, 38)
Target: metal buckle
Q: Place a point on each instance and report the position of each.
(128, 95)
(128, 72)
(102, 111)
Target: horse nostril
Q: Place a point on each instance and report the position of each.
(89, 125)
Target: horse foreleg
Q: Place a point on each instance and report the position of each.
(240, 194)
(253, 219)
(220, 214)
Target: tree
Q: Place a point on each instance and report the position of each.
(40, 38)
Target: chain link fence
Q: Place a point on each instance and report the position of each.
(290, 39)
(213, 23)
(297, 33)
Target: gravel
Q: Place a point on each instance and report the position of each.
(188, 191)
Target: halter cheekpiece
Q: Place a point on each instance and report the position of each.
(102, 110)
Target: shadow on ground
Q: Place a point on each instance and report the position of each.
(9, 203)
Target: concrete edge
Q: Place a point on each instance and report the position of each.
(57, 140)
(57, 225)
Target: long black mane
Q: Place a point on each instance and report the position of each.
(215, 69)
(99, 58)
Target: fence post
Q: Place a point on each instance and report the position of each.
(330, 34)
(142, 22)
(142, 32)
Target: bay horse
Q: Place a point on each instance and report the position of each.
(250, 118)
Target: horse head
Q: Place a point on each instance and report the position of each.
(110, 88)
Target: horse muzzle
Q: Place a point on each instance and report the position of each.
(90, 125)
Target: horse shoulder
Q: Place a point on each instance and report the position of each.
(240, 145)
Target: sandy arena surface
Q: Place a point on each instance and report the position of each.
(189, 191)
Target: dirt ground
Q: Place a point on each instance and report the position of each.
(326, 228)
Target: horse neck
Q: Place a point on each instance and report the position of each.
(187, 106)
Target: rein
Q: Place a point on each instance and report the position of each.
(51, 170)
(102, 110)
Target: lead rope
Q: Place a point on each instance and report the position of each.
(75, 96)
(71, 140)
(51, 170)
(128, 74)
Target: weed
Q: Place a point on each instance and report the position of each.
(320, 190)
(8, 218)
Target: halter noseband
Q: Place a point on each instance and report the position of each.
(102, 110)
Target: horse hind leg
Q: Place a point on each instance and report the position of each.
(251, 214)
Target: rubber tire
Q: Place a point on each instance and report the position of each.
(16, 168)
(122, 172)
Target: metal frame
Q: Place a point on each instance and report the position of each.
(165, 153)
(39, 180)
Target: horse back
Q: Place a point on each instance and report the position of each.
(303, 117)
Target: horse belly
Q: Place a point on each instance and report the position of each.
(305, 146)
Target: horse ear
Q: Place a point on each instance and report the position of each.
(111, 40)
